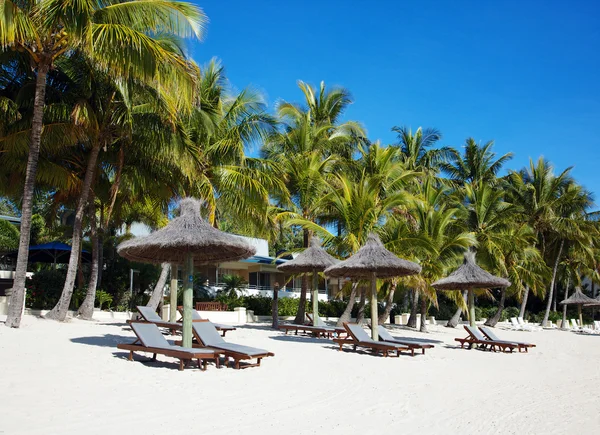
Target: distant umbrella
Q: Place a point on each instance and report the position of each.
(373, 261)
(313, 259)
(469, 276)
(53, 252)
(579, 299)
(187, 239)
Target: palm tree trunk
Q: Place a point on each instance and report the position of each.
(498, 315)
(347, 314)
(301, 313)
(86, 310)
(453, 322)
(275, 307)
(101, 229)
(388, 304)
(423, 326)
(549, 303)
(114, 189)
(412, 320)
(80, 277)
(157, 294)
(360, 317)
(17, 295)
(59, 312)
(564, 318)
(524, 302)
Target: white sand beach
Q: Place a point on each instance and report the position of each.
(69, 378)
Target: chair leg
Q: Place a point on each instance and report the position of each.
(258, 361)
(153, 357)
(130, 355)
(181, 365)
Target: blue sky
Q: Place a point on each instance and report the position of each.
(523, 73)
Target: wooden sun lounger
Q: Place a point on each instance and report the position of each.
(318, 331)
(206, 334)
(490, 335)
(475, 338)
(357, 337)
(196, 317)
(150, 316)
(150, 340)
(330, 330)
(385, 336)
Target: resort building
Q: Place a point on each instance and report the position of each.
(260, 271)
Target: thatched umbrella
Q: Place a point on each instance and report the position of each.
(579, 299)
(373, 261)
(469, 277)
(187, 240)
(313, 259)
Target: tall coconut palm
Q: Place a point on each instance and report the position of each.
(119, 36)
(105, 111)
(435, 238)
(308, 147)
(478, 164)
(417, 149)
(223, 127)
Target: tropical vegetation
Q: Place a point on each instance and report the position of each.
(106, 122)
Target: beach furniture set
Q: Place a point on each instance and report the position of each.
(207, 344)
(317, 329)
(388, 346)
(484, 338)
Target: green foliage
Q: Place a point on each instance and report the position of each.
(233, 284)
(77, 298)
(102, 298)
(38, 230)
(489, 312)
(44, 289)
(9, 236)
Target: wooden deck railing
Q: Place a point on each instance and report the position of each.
(211, 306)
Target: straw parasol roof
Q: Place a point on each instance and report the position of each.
(578, 298)
(373, 258)
(470, 276)
(312, 258)
(187, 234)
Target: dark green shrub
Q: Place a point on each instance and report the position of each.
(510, 312)
(44, 289)
(9, 236)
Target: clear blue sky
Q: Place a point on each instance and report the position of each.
(523, 73)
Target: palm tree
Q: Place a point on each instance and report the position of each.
(307, 150)
(435, 238)
(222, 127)
(478, 164)
(549, 212)
(118, 36)
(416, 149)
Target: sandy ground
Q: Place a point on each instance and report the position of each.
(69, 378)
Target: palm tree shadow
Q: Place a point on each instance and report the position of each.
(300, 339)
(106, 340)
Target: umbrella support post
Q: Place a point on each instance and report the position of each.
(471, 307)
(315, 298)
(173, 298)
(374, 313)
(188, 296)
(580, 316)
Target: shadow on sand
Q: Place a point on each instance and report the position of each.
(300, 339)
(106, 340)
